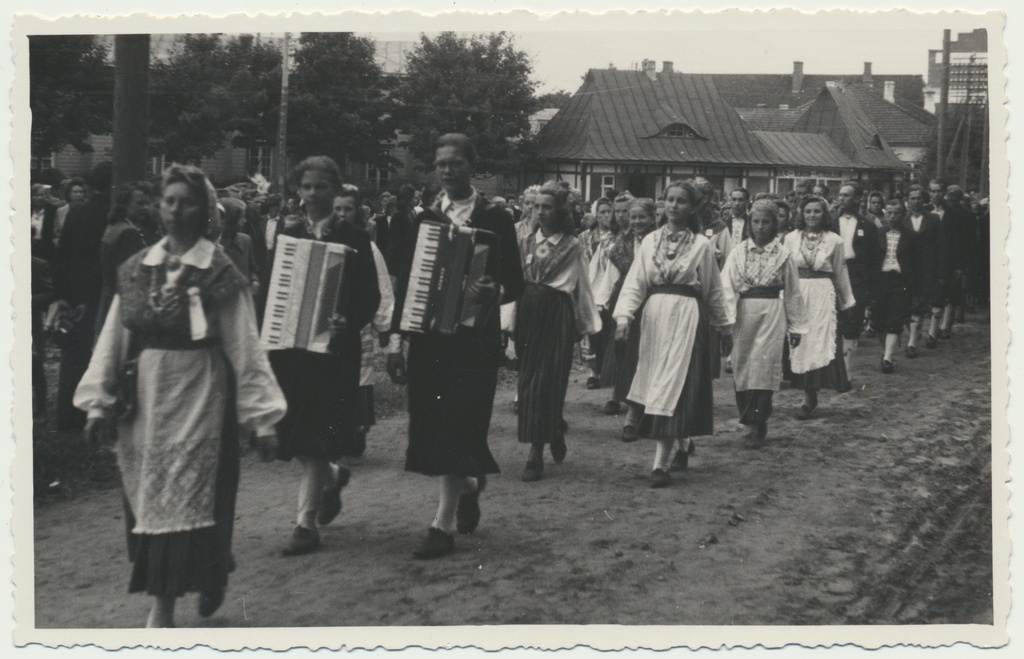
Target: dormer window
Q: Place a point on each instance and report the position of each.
(681, 130)
(876, 142)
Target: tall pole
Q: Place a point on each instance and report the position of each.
(984, 169)
(131, 108)
(281, 152)
(943, 107)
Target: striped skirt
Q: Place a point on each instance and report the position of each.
(832, 376)
(694, 413)
(754, 405)
(545, 334)
(621, 359)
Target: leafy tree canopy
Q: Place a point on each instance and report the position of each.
(210, 88)
(71, 91)
(556, 99)
(478, 85)
(337, 100)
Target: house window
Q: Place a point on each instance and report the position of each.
(260, 159)
(680, 130)
(39, 163)
(607, 184)
(378, 176)
(156, 165)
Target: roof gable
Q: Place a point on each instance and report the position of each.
(627, 116)
(751, 90)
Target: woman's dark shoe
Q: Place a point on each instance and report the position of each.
(931, 342)
(303, 541)
(660, 478)
(210, 601)
(533, 472)
(612, 407)
(436, 544)
(330, 500)
(911, 352)
(467, 515)
(593, 383)
(629, 433)
(945, 334)
(887, 366)
(680, 461)
(558, 450)
(804, 412)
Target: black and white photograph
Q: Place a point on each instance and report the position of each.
(664, 330)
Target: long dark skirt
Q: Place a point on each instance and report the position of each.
(755, 405)
(322, 391)
(715, 354)
(452, 381)
(623, 359)
(601, 342)
(694, 413)
(172, 564)
(367, 416)
(545, 334)
(833, 376)
(75, 353)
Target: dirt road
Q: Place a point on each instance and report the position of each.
(877, 510)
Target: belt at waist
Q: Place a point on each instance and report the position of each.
(762, 292)
(674, 289)
(176, 343)
(542, 289)
(807, 273)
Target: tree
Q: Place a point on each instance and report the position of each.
(478, 85)
(210, 89)
(337, 100)
(551, 100)
(71, 91)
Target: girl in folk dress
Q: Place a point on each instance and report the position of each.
(602, 237)
(756, 274)
(621, 359)
(349, 207)
(676, 276)
(825, 287)
(186, 317)
(322, 389)
(557, 305)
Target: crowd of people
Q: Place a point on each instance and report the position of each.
(155, 292)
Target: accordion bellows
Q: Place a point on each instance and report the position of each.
(308, 284)
(448, 261)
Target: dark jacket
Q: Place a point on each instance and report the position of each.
(959, 240)
(43, 246)
(905, 256)
(77, 275)
(393, 237)
(867, 256)
(929, 248)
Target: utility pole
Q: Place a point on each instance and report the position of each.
(131, 108)
(943, 107)
(281, 151)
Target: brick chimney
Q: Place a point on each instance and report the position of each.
(868, 79)
(647, 66)
(798, 77)
(666, 67)
(890, 91)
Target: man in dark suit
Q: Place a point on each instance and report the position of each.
(891, 292)
(926, 284)
(394, 231)
(959, 232)
(863, 259)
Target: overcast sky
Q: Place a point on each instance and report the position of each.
(895, 43)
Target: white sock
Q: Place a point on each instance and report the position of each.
(451, 489)
(317, 475)
(663, 453)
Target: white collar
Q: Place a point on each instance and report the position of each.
(198, 256)
(554, 238)
(447, 203)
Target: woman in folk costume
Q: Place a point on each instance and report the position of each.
(817, 362)
(601, 239)
(556, 307)
(621, 357)
(675, 279)
(453, 378)
(349, 207)
(762, 297)
(184, 317)
(322, 389)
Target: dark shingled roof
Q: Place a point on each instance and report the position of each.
(750, 90)
(837, 112)
(805, 149)
(623, 116)
(771, 118)
(897, 123)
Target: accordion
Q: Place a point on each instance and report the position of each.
(447, 262)
(308, 284)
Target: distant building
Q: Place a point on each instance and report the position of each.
(637, 130)
(968, 71)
